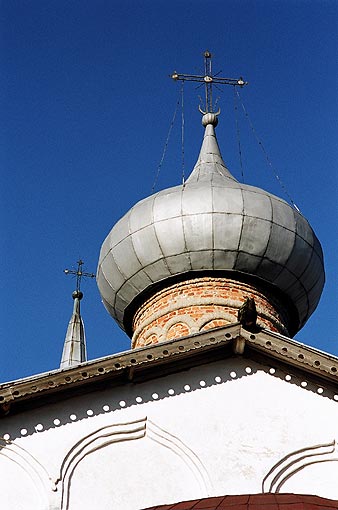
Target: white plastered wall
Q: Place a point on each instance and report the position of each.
(229, 427)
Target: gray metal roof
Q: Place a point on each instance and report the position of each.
(213, 222)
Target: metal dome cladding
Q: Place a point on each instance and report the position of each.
(211, 223)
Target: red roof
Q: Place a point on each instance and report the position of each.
(255, 502)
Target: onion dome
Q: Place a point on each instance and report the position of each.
(212, 226)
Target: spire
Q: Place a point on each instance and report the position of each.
(74, 349)
(209, 165)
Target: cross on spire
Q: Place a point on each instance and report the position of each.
(208, 79)
(79, 274)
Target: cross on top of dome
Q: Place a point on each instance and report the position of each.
(79, 273)
(208, 79)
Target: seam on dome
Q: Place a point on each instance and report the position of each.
(157, 239)
(241, 232)
(304, 317)
(253, 257)
(213, 229)
(212, 212)
(309, 263)
(267, 244)
(184, 234)
(314, 285)
(283, 268)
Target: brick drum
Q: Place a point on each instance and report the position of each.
(255, 502)
(200, 304)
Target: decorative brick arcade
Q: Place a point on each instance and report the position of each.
(200, 304)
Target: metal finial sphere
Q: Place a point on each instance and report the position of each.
(77, 294)
(210, 118)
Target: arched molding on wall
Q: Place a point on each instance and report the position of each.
(178, 330)
(185, 319)
(120, 432)
(155, 331)
(296, 461)
(93, 442)
(189, 457)
(217, 315)
(41, 481)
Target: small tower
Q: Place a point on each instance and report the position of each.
(187, 258)
(74, 349)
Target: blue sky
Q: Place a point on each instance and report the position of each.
(86, 105)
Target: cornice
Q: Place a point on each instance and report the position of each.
(158, 360)
(293, 353)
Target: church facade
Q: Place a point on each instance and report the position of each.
(220, 413)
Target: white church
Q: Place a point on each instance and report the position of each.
(215, 405)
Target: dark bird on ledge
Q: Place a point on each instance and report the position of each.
(247, 314)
